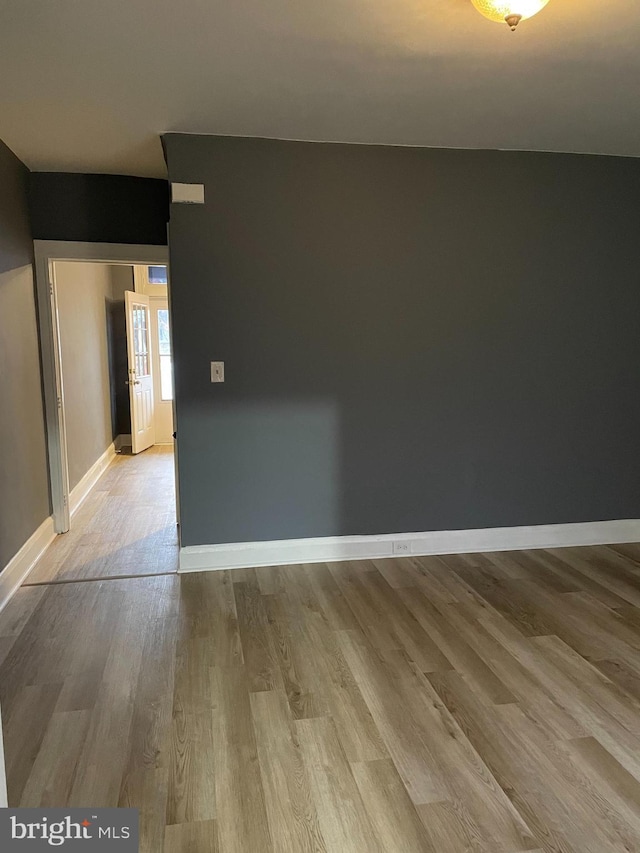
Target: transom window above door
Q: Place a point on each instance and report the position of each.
(157, 275)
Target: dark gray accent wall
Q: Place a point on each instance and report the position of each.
(414, 339)
(99, 208)
(24, 489)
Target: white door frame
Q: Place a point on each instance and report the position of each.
(46, 252)
(155, 303)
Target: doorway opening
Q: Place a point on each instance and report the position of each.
(117, 397)
(108, 381)
(149, 359)
(115, 359)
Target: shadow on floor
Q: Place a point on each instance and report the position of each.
(151, 555)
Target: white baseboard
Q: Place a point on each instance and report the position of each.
(122, 440)
(18, 568)
(202, 558)
(79, 492)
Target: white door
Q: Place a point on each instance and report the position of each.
(140, 371)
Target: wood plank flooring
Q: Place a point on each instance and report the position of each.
(126, 526)
(441, 704)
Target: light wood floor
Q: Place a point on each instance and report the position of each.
(126, 526)
(477, 703)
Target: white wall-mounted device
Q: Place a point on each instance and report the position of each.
(187, 193)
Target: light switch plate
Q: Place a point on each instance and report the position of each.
(217, 371)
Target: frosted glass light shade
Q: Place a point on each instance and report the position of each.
(509, 10)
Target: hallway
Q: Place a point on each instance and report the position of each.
(126, 526)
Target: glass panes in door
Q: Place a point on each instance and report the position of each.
(141, 341)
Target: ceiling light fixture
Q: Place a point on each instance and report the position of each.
(509, 11)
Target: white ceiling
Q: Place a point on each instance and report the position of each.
(89, 86)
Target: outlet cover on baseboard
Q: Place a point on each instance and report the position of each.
(402, 547)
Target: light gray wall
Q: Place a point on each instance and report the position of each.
(24, 489)
(414, 339)
(85, 302)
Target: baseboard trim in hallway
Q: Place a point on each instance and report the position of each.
(242, 555)
(126, 526)
(16, 573)
(18, 568)
(81, 491)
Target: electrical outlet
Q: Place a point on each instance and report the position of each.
(402, 547)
